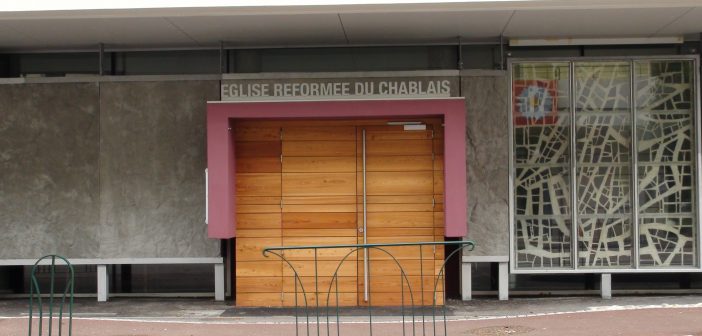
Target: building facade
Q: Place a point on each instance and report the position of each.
(163, 158)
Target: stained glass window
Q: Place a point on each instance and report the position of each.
(603, 151)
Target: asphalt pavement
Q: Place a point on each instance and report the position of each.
(633, 315)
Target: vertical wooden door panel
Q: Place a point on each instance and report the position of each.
(319, 208)
(258, 189)
(401, 202)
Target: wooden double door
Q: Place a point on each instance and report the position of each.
(302, 183)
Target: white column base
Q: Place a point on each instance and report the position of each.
(219, 282)
(103, 283)
(466, 281)
(606, 286)
(503, 281)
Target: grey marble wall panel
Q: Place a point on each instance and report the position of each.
(49, 170)
(152, 162)
(488, 159)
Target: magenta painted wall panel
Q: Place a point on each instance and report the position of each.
(220, 147)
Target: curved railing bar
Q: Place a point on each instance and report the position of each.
(335, 277)
(357, 247)
(304, 293)
(471, 246)
(35, 286)
(307, 247)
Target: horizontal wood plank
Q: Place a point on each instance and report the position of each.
(258, 300)
(250, 249)
(259, 184)
(319, 184)
(257, 200)
(323, 268)
(257, 149)
(345, 299)
(333, 208)
(297, 133)
(391, 284)
(319, 220)
(258, 221)
(398, 147)
(372, 207)
(390, 267)
(261, 284)
(319, 148)
(258, 165)
(304, 241)
(396, 183)
(320, 232)
(401, 219)
(398, 163)
(257, 208)
(317, 164)
(256, 133)
(259, 268)
(390, 232)
(335, 254)
(346, 284)
(403, 252)
(397, 199)
(323, 200)
(259, 233)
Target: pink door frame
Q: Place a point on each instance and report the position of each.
(221, 158)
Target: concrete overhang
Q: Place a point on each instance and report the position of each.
(340, 23)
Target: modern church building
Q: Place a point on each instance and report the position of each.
(161, 149)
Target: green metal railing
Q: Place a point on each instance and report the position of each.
(36, 294)
(332, 317)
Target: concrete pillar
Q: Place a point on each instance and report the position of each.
(466, 281)
(219, 282)
(103, 283)
(606, 286)
(503, 281)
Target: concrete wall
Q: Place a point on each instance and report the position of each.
(487, 144)
(152, 166)
(116, 169)
(104, 171)
(49, 136)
